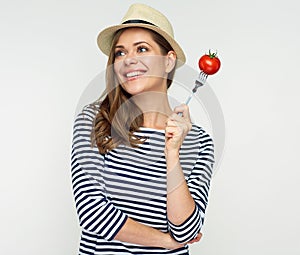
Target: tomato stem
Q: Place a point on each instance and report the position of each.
(212, 55)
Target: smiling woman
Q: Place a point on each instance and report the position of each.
(140, 63)
(140, 171)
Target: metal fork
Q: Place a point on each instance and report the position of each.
(200, 81)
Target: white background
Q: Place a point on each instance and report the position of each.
(48, 56)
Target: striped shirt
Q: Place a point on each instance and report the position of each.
(131, 182)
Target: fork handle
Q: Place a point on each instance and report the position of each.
(189, 98)
(186, 102)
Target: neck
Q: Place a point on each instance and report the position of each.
(155, 107)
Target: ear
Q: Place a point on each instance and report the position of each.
(170, 61)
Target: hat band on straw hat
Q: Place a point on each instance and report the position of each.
(134, 21)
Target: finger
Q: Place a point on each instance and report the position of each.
(176, 117)
(196, 239)
(170, 131)
(185, 123)
(200, 235)
(178, 121)
(181, 108)
(175, 127)
(184, 109)
(182, 126)
(171, 123)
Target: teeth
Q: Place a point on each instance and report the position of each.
(132, 74)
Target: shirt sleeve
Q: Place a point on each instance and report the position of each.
(96, 213)
(198, 183)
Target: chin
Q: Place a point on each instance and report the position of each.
(133, 90)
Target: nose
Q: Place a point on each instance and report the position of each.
(130, 59)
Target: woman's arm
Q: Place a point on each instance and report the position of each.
(180, 203)
(186, 198)
(137, 233)
(134, 232)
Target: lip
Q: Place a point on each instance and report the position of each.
(133, 74)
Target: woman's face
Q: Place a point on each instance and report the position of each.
(139, 63)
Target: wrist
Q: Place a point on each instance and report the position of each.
(172, 154)
(167, 241)
(170, 243)
(172, 159)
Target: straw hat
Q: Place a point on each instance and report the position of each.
(141, 15)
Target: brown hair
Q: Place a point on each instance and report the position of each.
(113, 124)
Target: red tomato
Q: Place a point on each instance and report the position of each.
(209, 63)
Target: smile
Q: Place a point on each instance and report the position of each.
(134, 74)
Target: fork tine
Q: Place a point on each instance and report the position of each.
(200, 81)
(203, 76)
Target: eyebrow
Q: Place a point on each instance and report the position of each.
(135, 44)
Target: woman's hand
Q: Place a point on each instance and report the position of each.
(177, 128)
(196, 239)
(171, 244)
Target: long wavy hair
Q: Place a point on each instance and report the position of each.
(113, 124)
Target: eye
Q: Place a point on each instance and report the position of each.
(142, 49)
(119, 53)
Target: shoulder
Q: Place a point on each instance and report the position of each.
(86, 117)
(200, 133)
(200, 136)
(88, 112)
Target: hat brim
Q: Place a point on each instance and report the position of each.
(105, 38)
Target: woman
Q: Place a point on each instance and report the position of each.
(140, 170)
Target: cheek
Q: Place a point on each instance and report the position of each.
(156, 67)
(116, 68)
